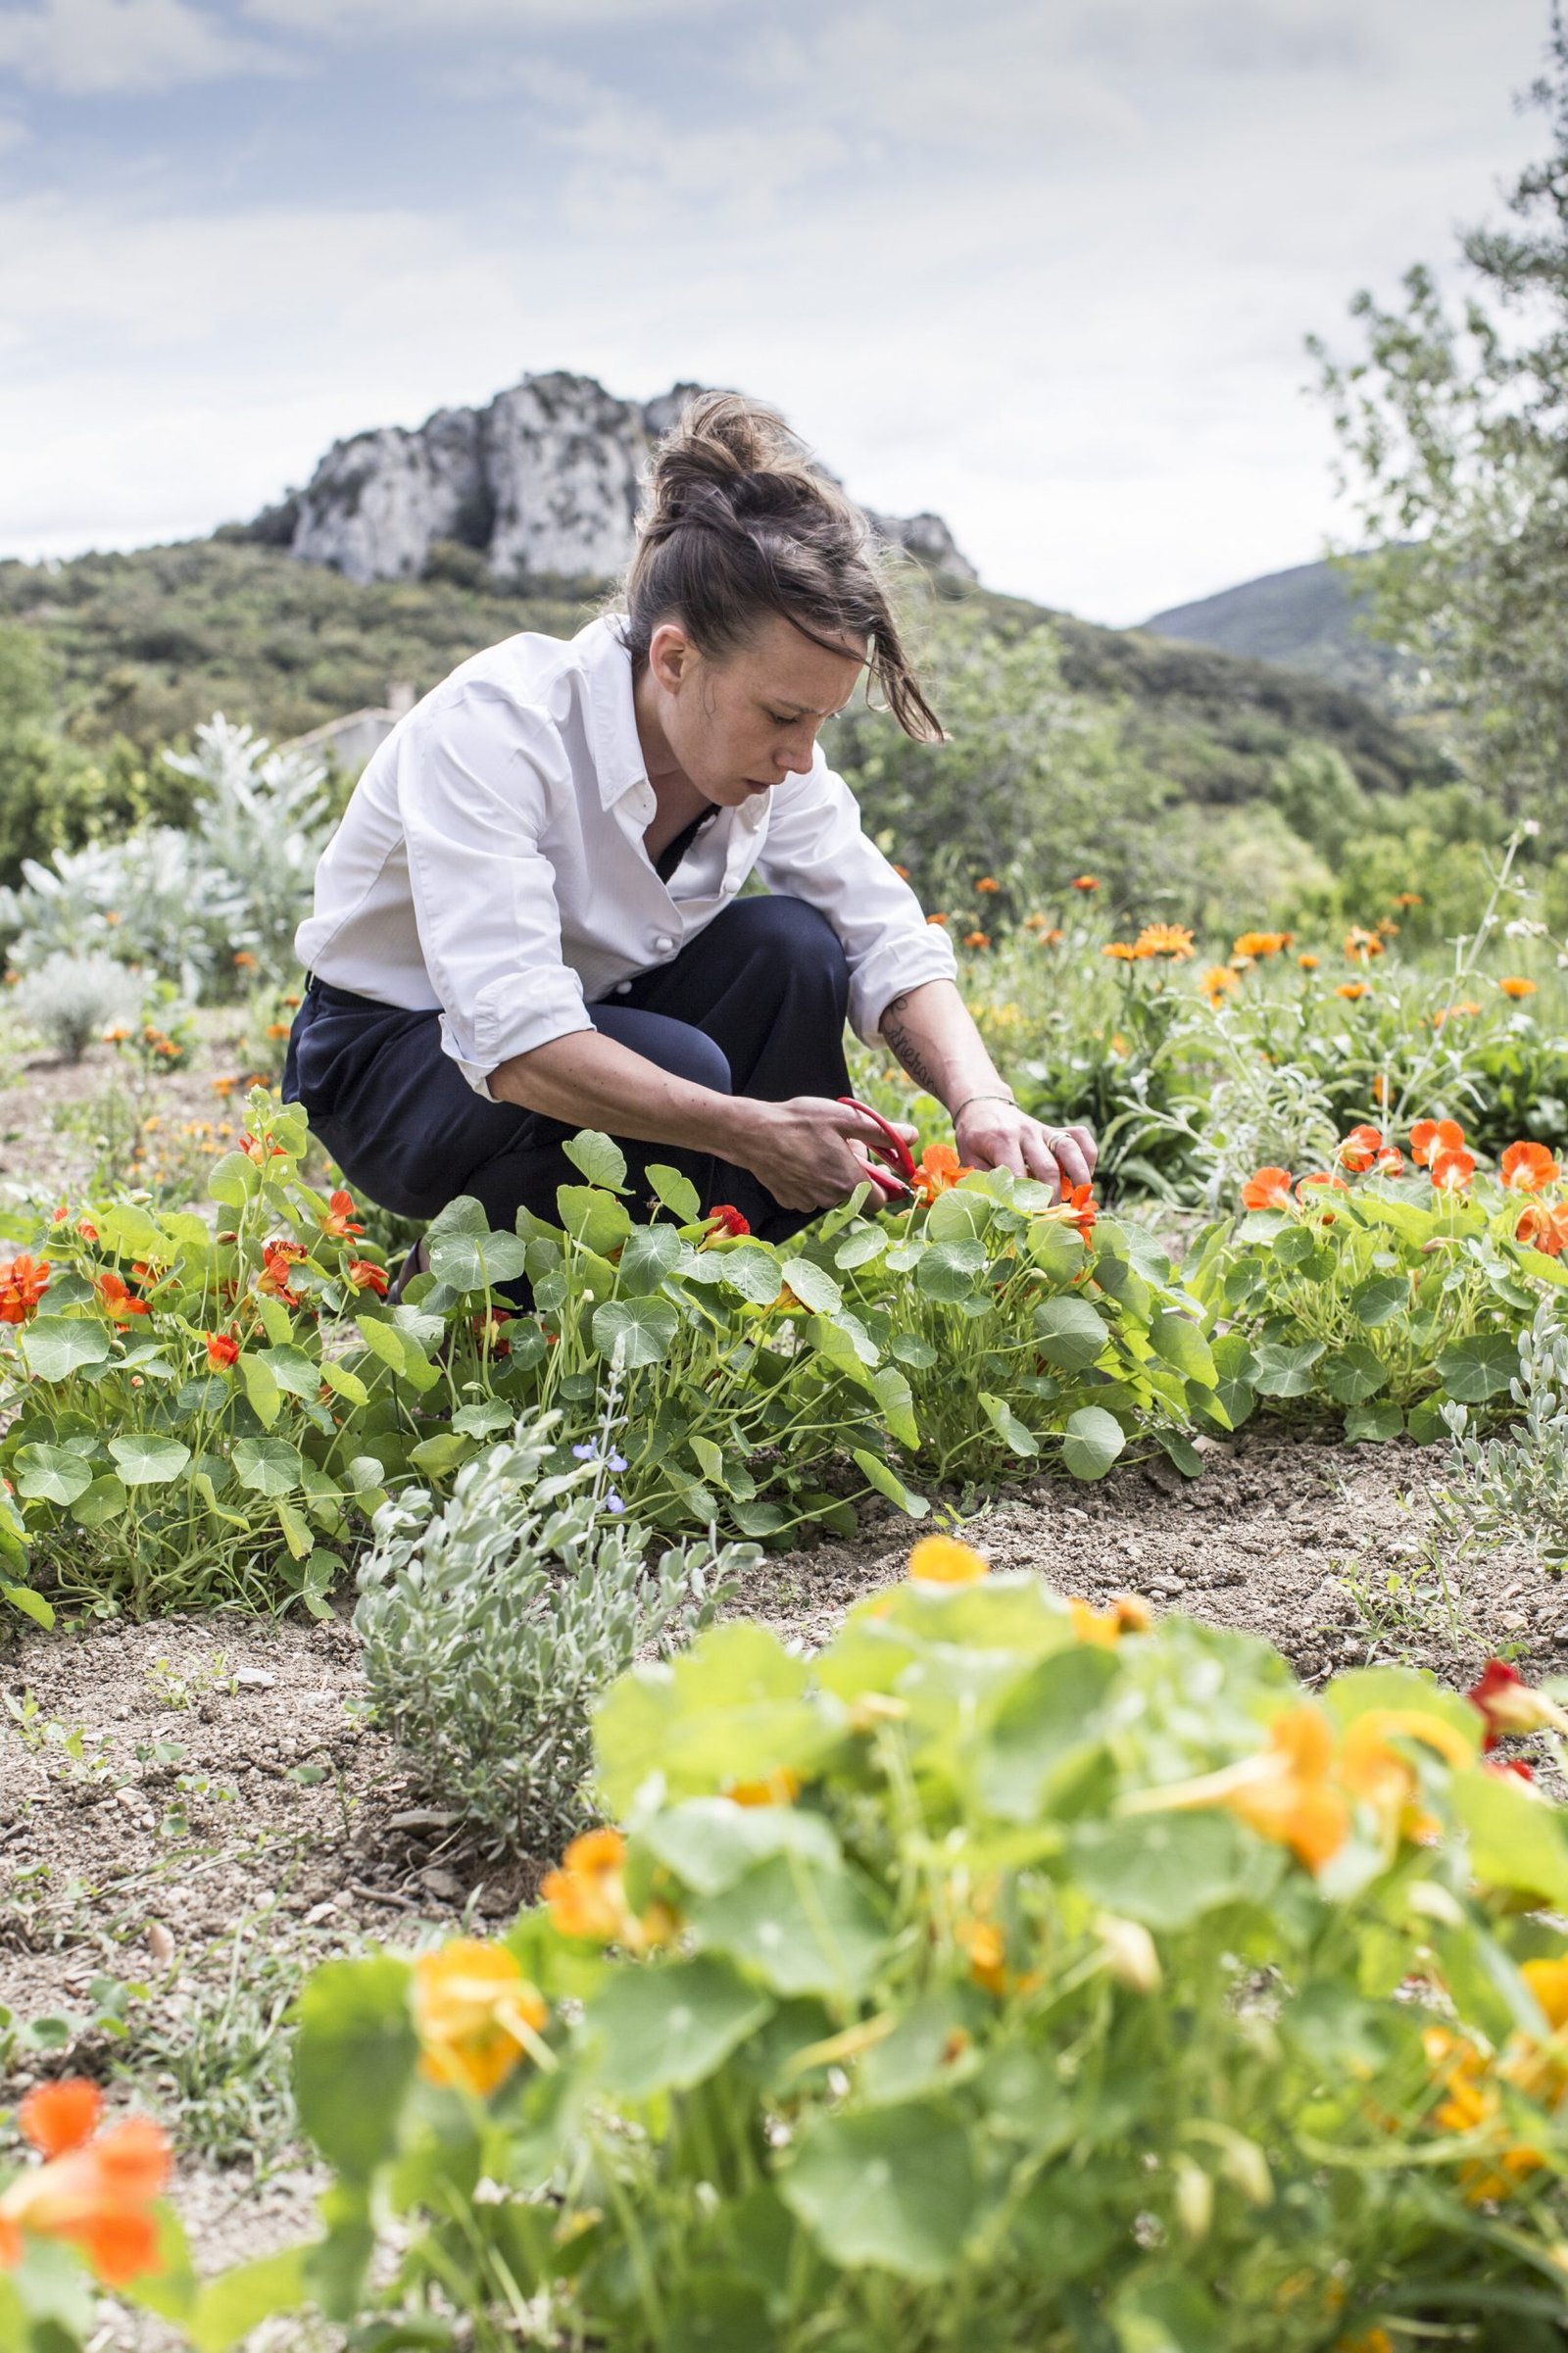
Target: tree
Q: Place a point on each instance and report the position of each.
(1453, 435)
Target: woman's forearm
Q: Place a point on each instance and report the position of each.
(934, 1037)
(589, 1080)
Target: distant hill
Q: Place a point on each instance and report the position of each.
(1307, 618)
(151, 642)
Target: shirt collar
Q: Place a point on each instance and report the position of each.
(617, 750)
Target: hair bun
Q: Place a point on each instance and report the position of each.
(726, 449)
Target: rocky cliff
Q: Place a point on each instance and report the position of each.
(542, 484)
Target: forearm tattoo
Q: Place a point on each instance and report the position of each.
(907, 1049)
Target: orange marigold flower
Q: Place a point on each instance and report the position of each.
(1051, 938)
(1448, 1012)
(937, 1169)
(1543, 1229)
(947, 1560)
(1430, 1136)
(1527, 1167)
(1515, 986)
(244, 960)
(1269, 1189)
(988, 882)
(1406, 899)
(1173, 940)
(117, 1303)
(1452, 1171)
(96, 2190)
(903, 873)
(338, 1218)
(1360, 946)
(936, 918)
(222, 1351)
(1360, 1149)
(1086, 882)
(364, 1275)
(24, 1280)
(1259, 943)
(277, 1029)
(977, 939)
(1353, 991)
(1218, 982)
(1123, 951)
(1310, 963)
(224, 1086)
(474, 2013)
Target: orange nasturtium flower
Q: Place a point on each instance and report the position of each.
(937, 1169)
(1453, 1171)
(1430, 1136)
(1173, 940)
(338, 1218)
(1514, 986)
(364, 1275)
(117, 1303)
(1353, 991)
(1362, 1147)
(222, 1351)
(96, 2190)
(23, 1281)
(475, 2014)
(781, 1787)
(1269, 1189)
(1527, 1167)
(1306, 1186)
(586, 1896)
(947, 1560)
(1284, 1791)
(1544, 1228)
(985, 1948)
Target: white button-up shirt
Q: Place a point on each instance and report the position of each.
(490, 864)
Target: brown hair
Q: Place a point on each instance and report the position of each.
(742, 521)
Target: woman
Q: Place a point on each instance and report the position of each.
(528, 920)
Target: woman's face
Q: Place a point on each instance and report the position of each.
(737, 726)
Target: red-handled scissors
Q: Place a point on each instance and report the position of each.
(896, 1182)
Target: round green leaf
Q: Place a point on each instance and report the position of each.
(1091, 1442)
(148, 1461)
(1354, 1375)
(635, 1331)
(57, 1345)
(671, 2025)
(812, 1286)
(1165, 1870)
(893, 2187)
(600, 1158)
(101, 1502)
(52, 1474)
(1068, 1334)
(803, 1930)
(267, 1466)
(1375, 1302)
(1372, 1424)
(948, 1269)
(678, 1194)
(1479, 1367)
(1285, 1370)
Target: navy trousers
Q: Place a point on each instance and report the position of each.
(754, 1005)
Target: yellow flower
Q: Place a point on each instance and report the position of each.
(1218, 981)
(1123, 951)
(982, 1941)
(475, 2014)
(1513, 986)
(947, 1560)
(1164, 939)
(780, 1788)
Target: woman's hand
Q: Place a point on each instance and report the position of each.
(810, 1153)
(992, 1134)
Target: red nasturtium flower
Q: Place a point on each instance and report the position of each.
(1079, 1209)
(1527, 1167)
(23, 1281)
(117, 1303)
(1453, 1171)
(96, 2190)
(1544, 1228)
(364, 1275)
(1509, 1704)
(255, 1150)
(724, 1221)
(1269, 1189)
(1429, 1136)
(277, 1260)
(222, 1349)
(337, 1218)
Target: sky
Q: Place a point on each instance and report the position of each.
(1044, 266)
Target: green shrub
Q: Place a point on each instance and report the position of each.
(490, 1626)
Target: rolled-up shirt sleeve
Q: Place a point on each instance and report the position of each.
(815, 850)
(474, 796)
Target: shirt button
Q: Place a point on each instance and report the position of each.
(664, 943)
(623, 988)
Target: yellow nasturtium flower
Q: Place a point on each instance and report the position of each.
(474, 2013)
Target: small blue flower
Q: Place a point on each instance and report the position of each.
(612, 1502)
(586, 1453)
(618, 1462)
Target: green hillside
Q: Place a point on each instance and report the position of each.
(1307, 618)
(150, 643)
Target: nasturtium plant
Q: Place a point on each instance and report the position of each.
(1012, 1973)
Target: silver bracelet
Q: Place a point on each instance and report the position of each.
(983, 1095)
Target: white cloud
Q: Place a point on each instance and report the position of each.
(89, 48)
(340, 17)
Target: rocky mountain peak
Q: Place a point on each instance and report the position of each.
(543, 483)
